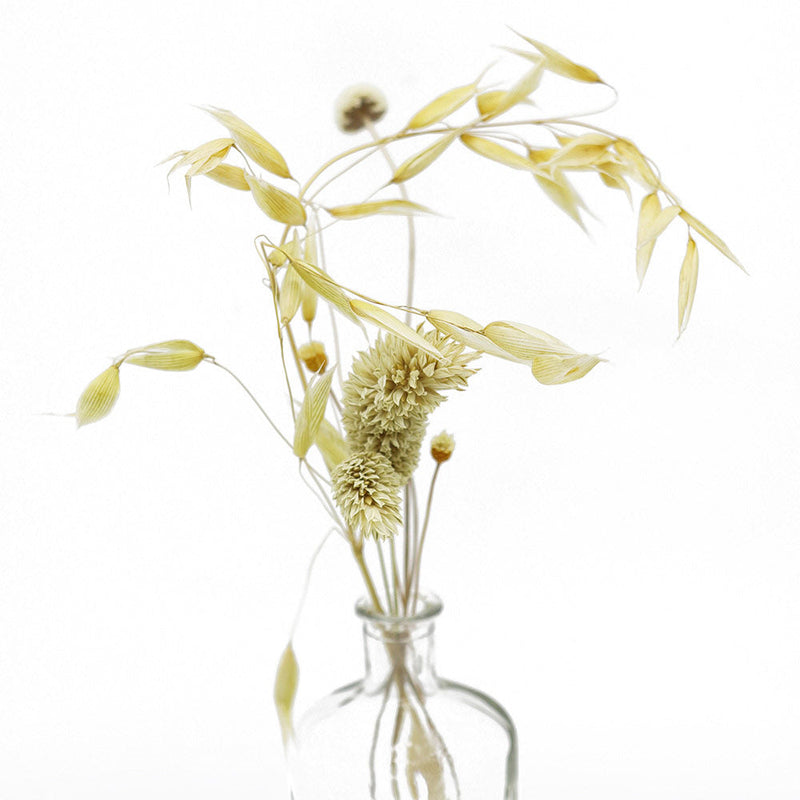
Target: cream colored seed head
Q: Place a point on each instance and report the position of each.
(313, 356)
(357, 104)
(442, 446)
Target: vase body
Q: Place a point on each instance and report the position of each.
(402, 732)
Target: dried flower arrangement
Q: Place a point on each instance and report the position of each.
(359, 441)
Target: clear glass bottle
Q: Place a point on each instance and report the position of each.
(402, 732)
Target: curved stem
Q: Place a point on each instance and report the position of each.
(212, 360)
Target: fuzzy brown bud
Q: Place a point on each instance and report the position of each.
(442, 447)
(313, 356)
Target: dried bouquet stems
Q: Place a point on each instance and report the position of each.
(358, 439)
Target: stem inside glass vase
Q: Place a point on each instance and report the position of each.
(399, 657)
(402, 732)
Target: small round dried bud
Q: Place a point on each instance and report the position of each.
(357, 104)
(442, 447)
(277, 258)
(313, 356)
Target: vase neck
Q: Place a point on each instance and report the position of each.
(395, 645)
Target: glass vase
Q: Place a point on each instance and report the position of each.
(402, 732)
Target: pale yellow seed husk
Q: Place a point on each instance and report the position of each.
(637, 163)
(525, 86)
(359, 210)
(98, 397)
(648, 211)
(687, 285)
(658, 225)
(489, 102)
(465, 331)
(325, 287)
(197, 158)
(553, 369)
(175, 355)
(201, 160)
(541, 155)
(496, 152)
(276, 203)
(417, 163)
(444, 105)
(381, 317)
(308, 301)
(495, 104)
(286, 680)
(311, 414)
(712, 237)
(291, 295)
(524, 342)
(310, 244)
(561, 65)
(613, 176)
(229, 175)
(582, 151)
(251, 142)
(331, 445)
(560, 192)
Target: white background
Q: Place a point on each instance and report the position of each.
(618, 557)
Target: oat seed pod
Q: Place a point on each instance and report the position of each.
(358, 104)
(275, 203)
(98, 397)
(251, 142)
(687, 285)
(331, 445)
(286, 680)
(175, 355)
(229, 175)
(308, 296)
(291, 292)
(442, 446)
(311, 414)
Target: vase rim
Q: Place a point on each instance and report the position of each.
(429, 608)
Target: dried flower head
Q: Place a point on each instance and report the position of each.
(358, 104)
(442, 446)
(394, 380)
(366, 489)
(313, 356)
(391, 390)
